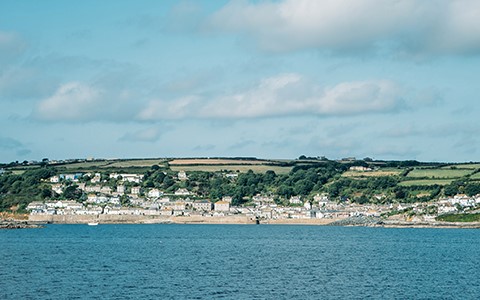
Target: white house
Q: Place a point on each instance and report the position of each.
(154, 193)
(93, 188)
(295, 200)
(204, 205)
(121, 189)
(135, 190)
(96, 178)
(106, 190)
(182, 175)
(136, 178)
(307, 205)
(182, 192)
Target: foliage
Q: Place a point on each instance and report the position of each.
(408, 181)
(19, 190)
(459, 217)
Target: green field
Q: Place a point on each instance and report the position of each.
(425, 182)
(475, 176)
(459, 218)
(113, 164)
(464, 166)
(438, 173)
(86, 165)
(233, 168)
(135, 163)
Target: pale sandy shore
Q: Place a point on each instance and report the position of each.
(132, 219)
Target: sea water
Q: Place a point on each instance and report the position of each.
(238, 262)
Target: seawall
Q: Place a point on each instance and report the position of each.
(135, 219)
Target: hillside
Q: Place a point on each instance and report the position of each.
(354, 181)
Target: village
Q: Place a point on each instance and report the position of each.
(129, 198)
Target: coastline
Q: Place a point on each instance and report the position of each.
(133, 219)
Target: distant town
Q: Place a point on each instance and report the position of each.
(302, 190)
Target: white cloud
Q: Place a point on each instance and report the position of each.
(360, 97)
(407, 27)
(285, 94)
(72, 101)
(84, 102)
(176, 109)
(281, 95)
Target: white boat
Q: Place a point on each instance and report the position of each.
(92, 223)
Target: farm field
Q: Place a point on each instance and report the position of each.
(464, 166)
(232, 168)
(135, 163)
(86, 165)
(475, 176)
(215, 161)
(112, 164)
(438, 173)
(425, 182)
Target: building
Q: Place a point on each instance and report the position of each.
(182, 192)
(360, 169)
(179, 206)
(227, 199)
(136, 190)
(307, 205)
(202, 205)
(121, 189)
(96, 178)
(106, 190)
(182, 175)
(57, 188)
(222, 206)
(135, 178)
(154, 193)
(71, 177)
(295, 200)
(93, 188)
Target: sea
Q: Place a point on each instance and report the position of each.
(167, 261)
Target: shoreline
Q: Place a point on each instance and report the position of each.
(245, 220)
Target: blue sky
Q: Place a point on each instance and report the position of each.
(385, 79)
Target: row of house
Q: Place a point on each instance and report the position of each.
(133, 178)
(101, 204)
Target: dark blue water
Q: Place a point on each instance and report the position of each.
(238, 262)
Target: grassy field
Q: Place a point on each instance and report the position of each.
(232, 168)
(86, 165)
(215, 161)
(113, 164)
(464, 166)
(459, 218)
(425, 182)
(136, 163)
(438, 173)
(378, 173)
(475, 176)
(18, 172)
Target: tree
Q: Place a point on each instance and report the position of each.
(472, 189)
(400, 193)
(72, 192)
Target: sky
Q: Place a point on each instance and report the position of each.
(385, 79)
